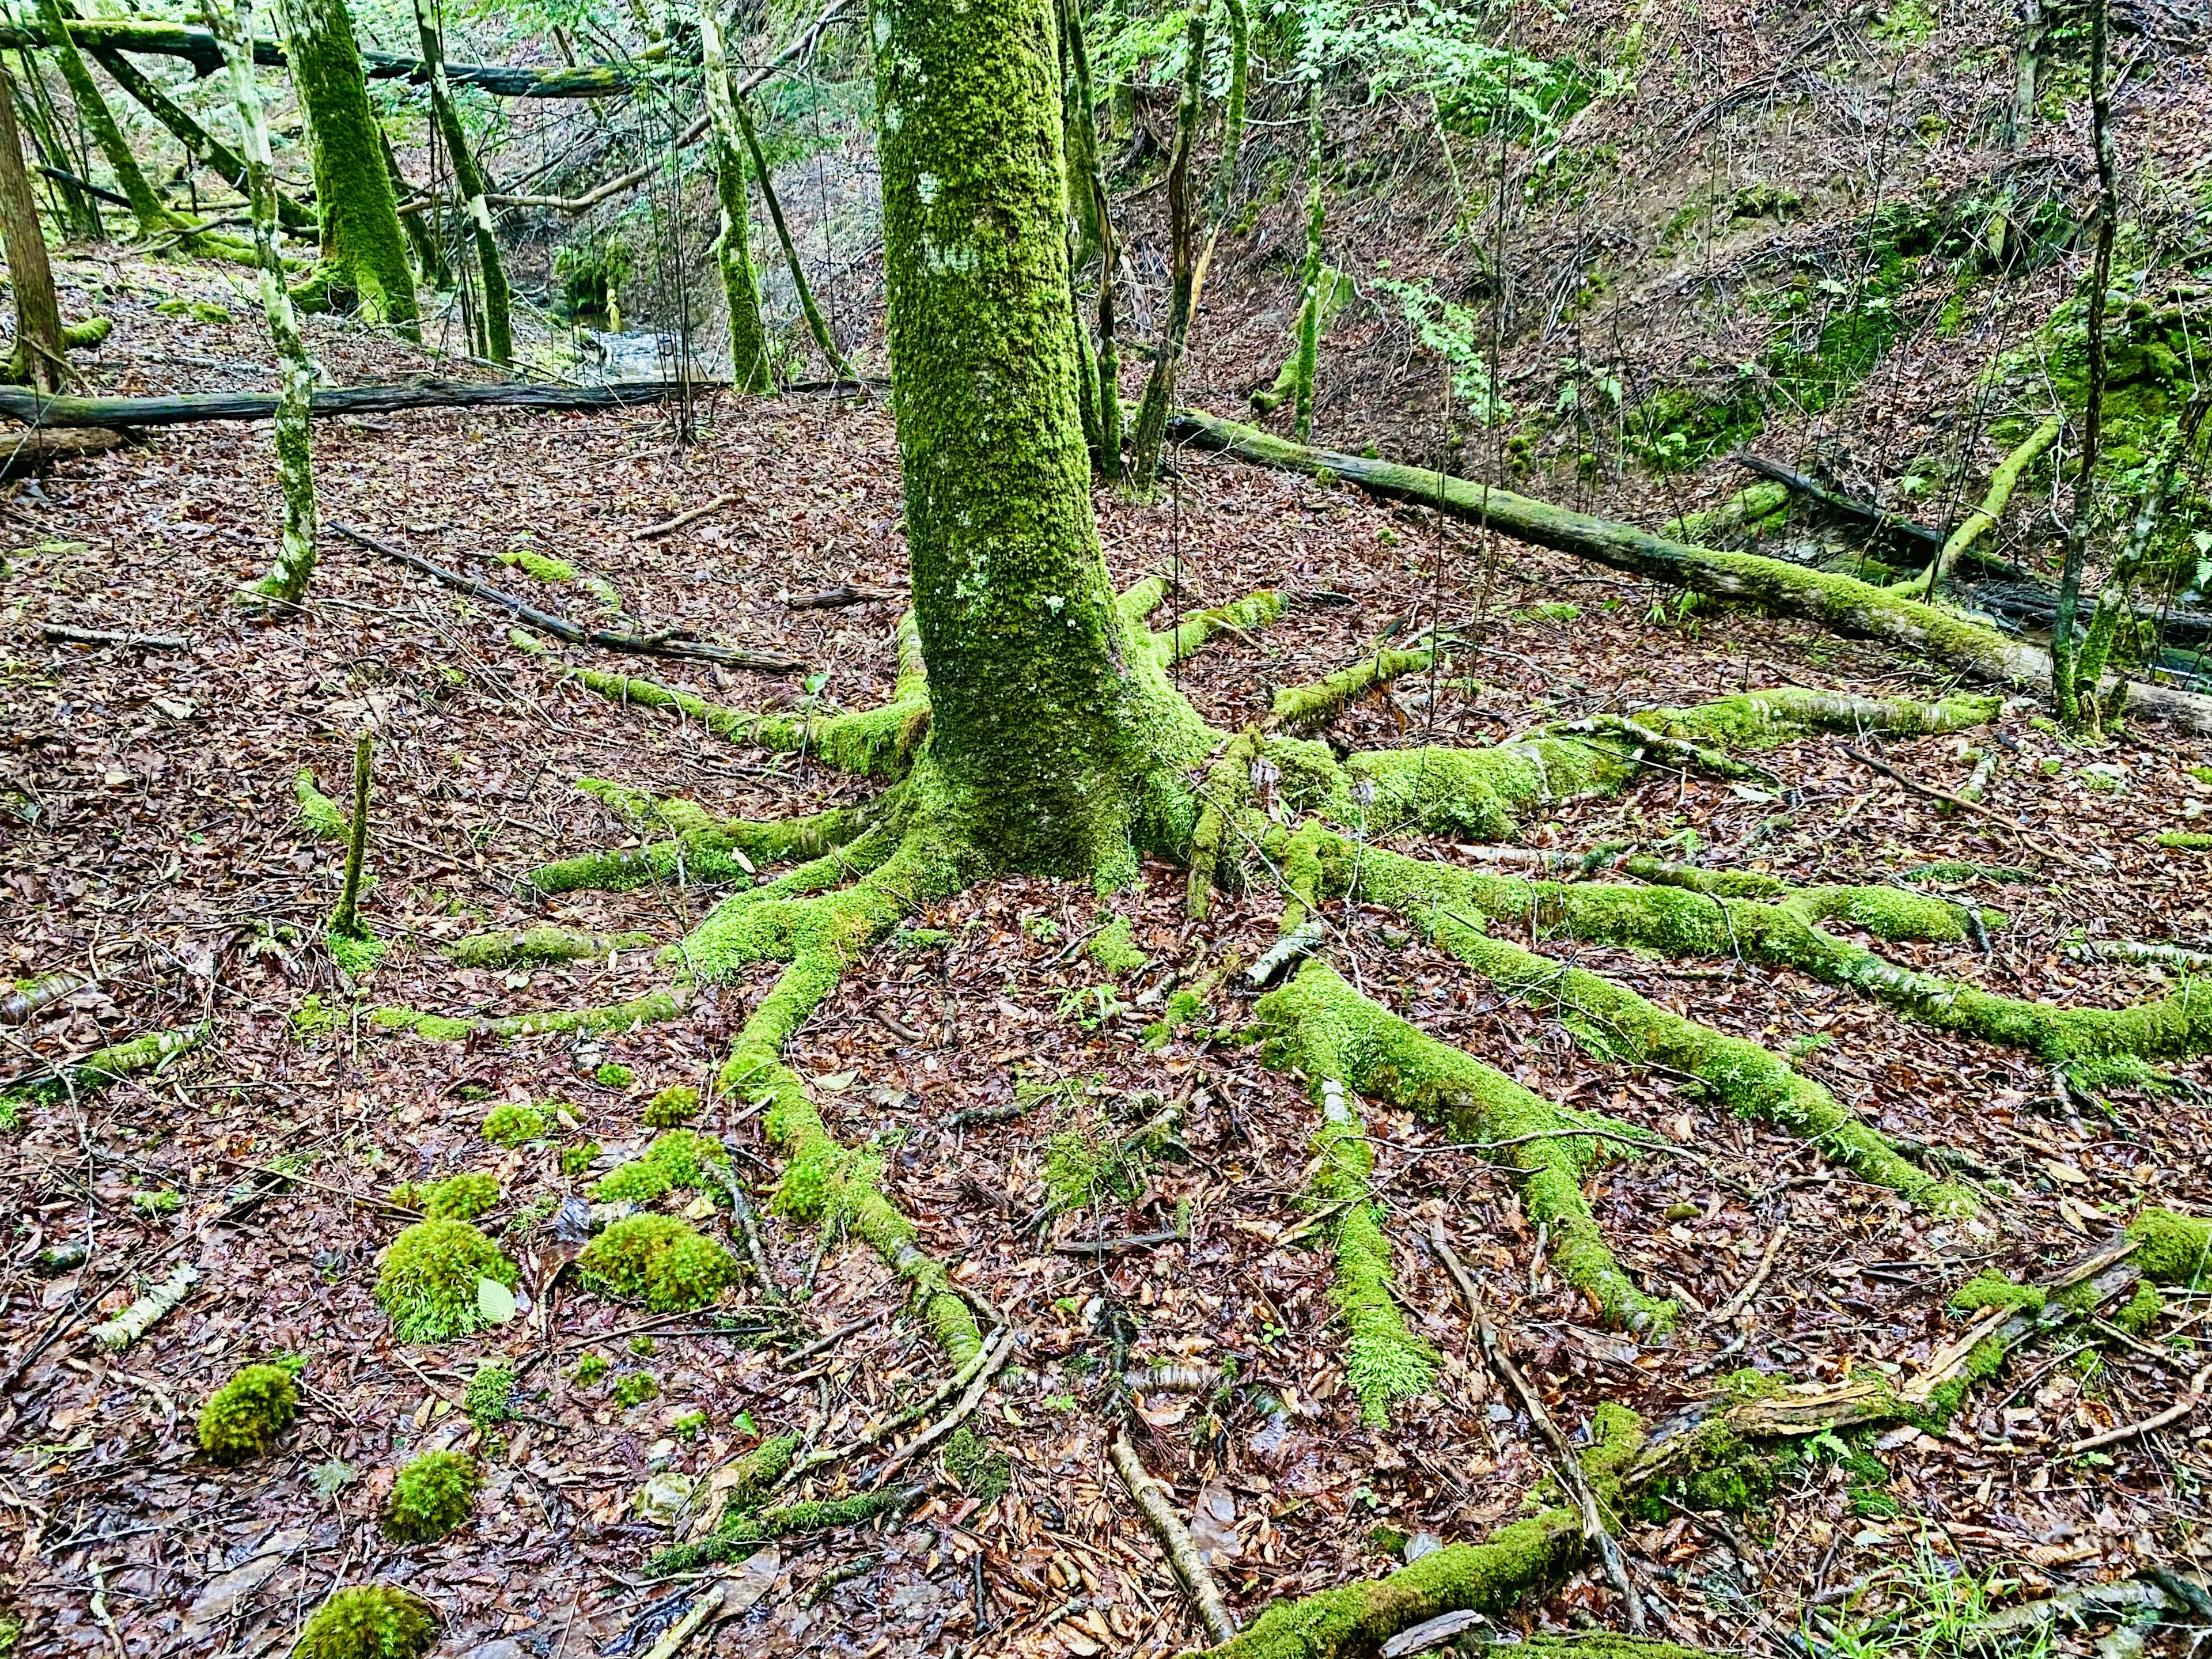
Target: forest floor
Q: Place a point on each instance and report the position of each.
(148, 838)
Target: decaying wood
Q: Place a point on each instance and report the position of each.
(39, 995)
(670, 526)
(1174, 1539)
(832, 598)
(43, 412)
(1895, 525)
(140, 1317)
(60, 634)
(651, 645)
(36, 450)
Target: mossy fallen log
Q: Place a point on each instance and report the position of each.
(34, 410)
(1842, 604)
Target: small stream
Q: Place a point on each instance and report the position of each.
(637, 355)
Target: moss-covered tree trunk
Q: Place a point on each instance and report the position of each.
(154, 219)
(364, 253)
(38, 357)
(733, 249)
(1310, 304)
(1106, 369)
(498, 341)
(287, 582)
(1054, 730)
(839, 364)
(203, 146)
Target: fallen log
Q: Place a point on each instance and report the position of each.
(150, 37)
(650, 645)
(47, 413)
(1841, 604)
(1895, 525)
(35, 451)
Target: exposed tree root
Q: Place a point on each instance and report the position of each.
(1303, 708)
(1176, 1542)
(1238, 616)
(612, 1016)
(531, 945)
(1320, 1025)
(702, 848)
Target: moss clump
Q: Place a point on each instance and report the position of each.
(428, 1280)
(2142, 1311)
(611, 1075)
(490, 1396)
(1084, 1162)
(314, 1017)
(591, 1368)
(635, 1388)
(578, 1160)
(672, 1107)
(1991, 1289)
(511, 1123)
(679, 1158)
(2184, 840)
(975, 1469)
(243, 1417)
(657, 1262)
(553, 572)
(2174, 1249)
(1114, 947)
(463, 1197)
(324, 818)
(742, 1531)
(434, 1496)
(368, 1621)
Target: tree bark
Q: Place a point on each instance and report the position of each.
(498, 341)
(1107, 366)
(1302, 380)
(203, 146)
(1159, 385)
(1839, 602)
(1232, 117)
(31, 278)
(815, 324)
(363, 267)
(1050, 711)
(749, 366)
(286, 584)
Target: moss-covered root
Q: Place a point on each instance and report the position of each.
(324, 818)
(103, 1067)
(1320, 1024)
(1303, 708)
(824, 1182)
(700, 846)
(1223, 796)
(1491, 1576)
(536, 946)
(1195, 628)
(609, 1017)
(1453, 907)
(1759, 720)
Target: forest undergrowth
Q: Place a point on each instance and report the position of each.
(1062, 1093)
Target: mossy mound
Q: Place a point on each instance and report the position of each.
(672, 1107)
(1992, 1289)
(242, 1419)
(463, 1197)
(972, 1465)
(2174, 1249)
(657, 1262)
(511, 1123)
(490, 1396)
(427, 1282)
(433, 1495)
(368, 1621)
(679, 1158)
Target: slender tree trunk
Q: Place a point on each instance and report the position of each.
(1159, 386)
(430, 257)
(498, 329)
(1302, 381)
(154, 219)
(1053, 729)
(30, 276)
(203, 146)
(815, 325)
(78, 210)
(1106, 368)
(2063, 648)
(1073, 132)
(733, 251)
(286, 584)
(1232, 116)
(363, 267)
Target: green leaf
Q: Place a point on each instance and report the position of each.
(494, 1302)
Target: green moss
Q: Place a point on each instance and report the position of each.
(2174, 1249)
(463, 1197)
(512, 1123)
(657, 1262)
(742, 1532)
(368, 1621)
(323, 817)
(614, 1076)
(1991, 1289)
(534, 946)
(427, 1283)
(242, 1419)
(578, 1160)
(1301, 708)
(677, 1105)
(1114, 948)
(432, 1497)
(554, 571)
(2142, 1311)
(1184, 1008)
(677, 1158)
(972, 1465)
(314, 1017)
(490, 1396)
(1716, 1469)
(2184, 840)
(618, 1015)
(633, 1388)
(590, 1368)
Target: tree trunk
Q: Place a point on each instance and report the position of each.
(154, 219)
(286, 584)
(1159, 385)
(1232, 116)
(498, 331)
(49, 413)
(31, 278)
(1049, 708)
(733, 252)
(1310, 307)
(203, 146)
(74, 205)
(364, 253)
(1106, 369)
(815, 325)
